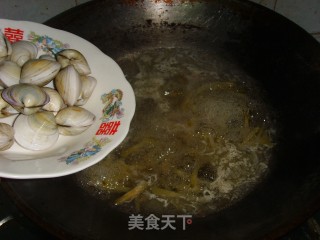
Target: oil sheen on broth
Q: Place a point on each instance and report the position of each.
(200, 140)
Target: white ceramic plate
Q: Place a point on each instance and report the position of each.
(112, 102)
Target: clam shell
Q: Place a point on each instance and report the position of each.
(88, 85)
(6, 109)
(56, 102)
(74, 120)
(25, 98)
(5, 47)
(37, 131)
(68, 84)
(73, 57)
(22, 51)
(47, 56)
(39, 71)
(9, 73)
(6, 136)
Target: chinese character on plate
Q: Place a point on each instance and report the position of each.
(108, 128)
(13, 35)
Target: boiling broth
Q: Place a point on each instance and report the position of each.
(200, 140)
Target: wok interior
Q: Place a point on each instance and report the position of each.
(200, 140)
(279, 56)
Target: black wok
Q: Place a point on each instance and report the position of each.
(278, 54)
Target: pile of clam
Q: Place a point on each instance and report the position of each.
(43, 112)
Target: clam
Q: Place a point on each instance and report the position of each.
(5, 47)
(74, 120)
(39, 71)
(6, 136)
(88, 85)
(25, 98)
(22, 51)
(37, 131)
(73, 57)
(9, 73)
(56, 102)
(68, 84)
(6, 109)
(47, 56)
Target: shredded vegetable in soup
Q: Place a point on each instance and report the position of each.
(200, 140)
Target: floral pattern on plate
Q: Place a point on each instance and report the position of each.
(46, 43)
(112, 101)
(90, 148)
